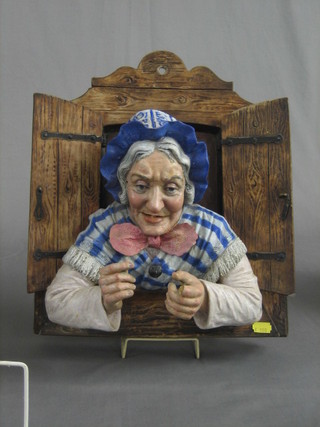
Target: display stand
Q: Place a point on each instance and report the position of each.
(125, 340)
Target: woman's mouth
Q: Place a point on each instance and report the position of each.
(152, 219)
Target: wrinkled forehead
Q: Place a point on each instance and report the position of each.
(157, 166)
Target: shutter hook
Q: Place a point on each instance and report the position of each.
(286, 207)
(39, 212)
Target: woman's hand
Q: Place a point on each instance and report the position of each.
(116, 284)
(187, 301)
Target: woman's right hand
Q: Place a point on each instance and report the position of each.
(116, 284)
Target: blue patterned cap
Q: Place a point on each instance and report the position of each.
(153, 125)
(152, 119)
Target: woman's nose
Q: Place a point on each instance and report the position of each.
(155, 200)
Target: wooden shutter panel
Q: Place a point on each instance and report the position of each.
(65, 183)
(257, 189)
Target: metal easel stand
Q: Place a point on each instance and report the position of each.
(125, 340)
(25, 388)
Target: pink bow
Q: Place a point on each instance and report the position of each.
(129, 240)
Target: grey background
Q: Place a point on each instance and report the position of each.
(269, 49)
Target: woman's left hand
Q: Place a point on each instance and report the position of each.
(192, 299)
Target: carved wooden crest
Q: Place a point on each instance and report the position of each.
(162, 70)
(162, 82)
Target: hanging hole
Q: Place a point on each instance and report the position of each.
(162, 70)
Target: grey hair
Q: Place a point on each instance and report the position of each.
(142, 149)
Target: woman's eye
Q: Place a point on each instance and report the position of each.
(140, 188)
(172, 189)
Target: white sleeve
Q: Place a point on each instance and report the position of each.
(235, 301)
(73, 300)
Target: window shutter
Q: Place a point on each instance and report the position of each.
(65, 182)
(256, 167)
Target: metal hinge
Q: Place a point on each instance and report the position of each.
(275, 256)
(269, 139)
(74, 137)
(38, 254)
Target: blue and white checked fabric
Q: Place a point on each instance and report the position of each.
(215, 253)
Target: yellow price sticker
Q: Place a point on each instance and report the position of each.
(262, 327)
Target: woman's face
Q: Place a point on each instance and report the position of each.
(155, 187)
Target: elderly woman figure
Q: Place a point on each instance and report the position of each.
(155, 236)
